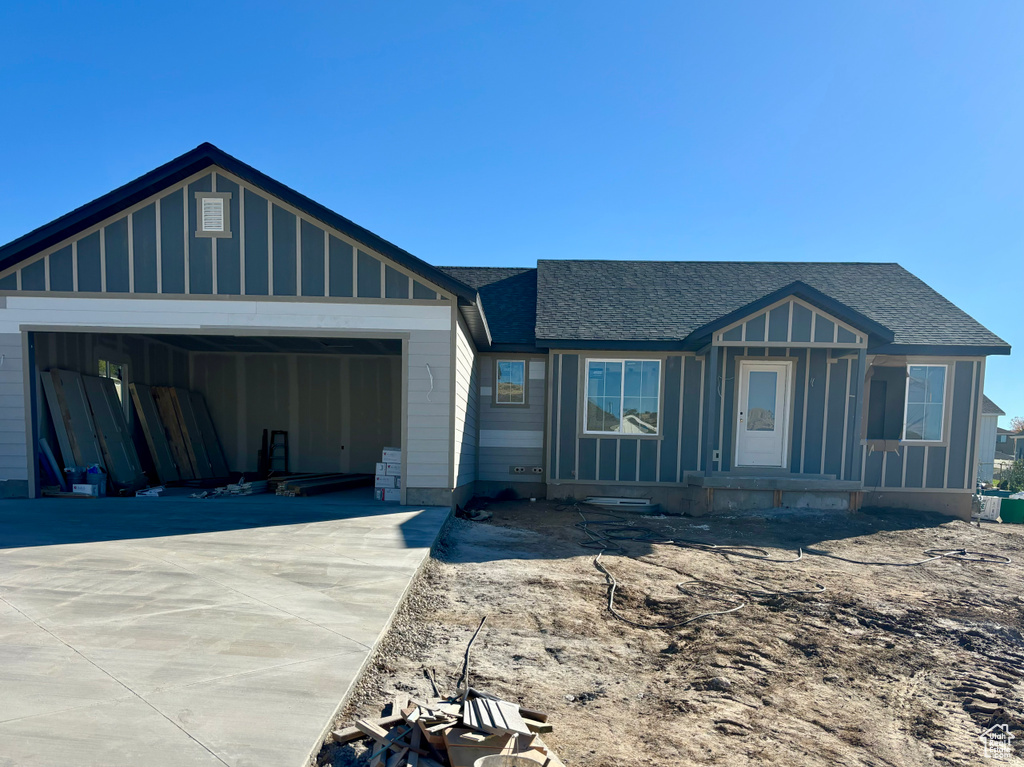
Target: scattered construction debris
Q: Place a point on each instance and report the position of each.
(451, 732)
(241, 487)
(455, 731)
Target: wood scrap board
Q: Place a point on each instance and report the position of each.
(208, 434)
(153, 429)
(121, 459)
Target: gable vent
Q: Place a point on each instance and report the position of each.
(213, 214)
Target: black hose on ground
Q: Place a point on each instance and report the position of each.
(612, 533)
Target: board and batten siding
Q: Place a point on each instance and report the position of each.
(578, 457)
(273, 250)
(426, 329)
(466, 407)
(947, 465)
(823, 436)
(511, 435)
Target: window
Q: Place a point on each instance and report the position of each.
(623, 396)
(213, 214)
(926, 394)
(510, 382)
(886, 406)
(118, 373)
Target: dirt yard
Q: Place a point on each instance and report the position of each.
(888, 666)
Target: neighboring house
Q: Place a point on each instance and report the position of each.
(700, 385)
(988, 438)
(1004, 440)
(1018, 445)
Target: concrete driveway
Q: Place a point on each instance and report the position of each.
(180, 632)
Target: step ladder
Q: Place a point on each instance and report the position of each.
(278, 450)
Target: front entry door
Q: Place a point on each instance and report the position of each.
(762, 427)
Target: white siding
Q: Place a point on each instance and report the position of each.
(13, 448)
(427, 327)
(987, 446)
(466, 424)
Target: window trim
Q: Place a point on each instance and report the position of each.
(945, 398)
(526, 382)
(226, 231)
(622, 394)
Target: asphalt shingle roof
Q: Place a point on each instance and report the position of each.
(988, 407)
(509, 297)
(667, 300)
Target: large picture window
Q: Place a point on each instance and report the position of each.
(623, 397)
(511, 382)
(926, 396)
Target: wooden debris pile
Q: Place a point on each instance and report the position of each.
(253, 487)
(315, 484)
(446, 732)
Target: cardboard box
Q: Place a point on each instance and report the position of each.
(93, 490)
(392, 469)
(387, 494)
(387, 481)
(391, 455)
(381, 469)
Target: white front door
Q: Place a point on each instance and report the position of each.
(762, 413)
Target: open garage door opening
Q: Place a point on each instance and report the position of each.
(203, 411)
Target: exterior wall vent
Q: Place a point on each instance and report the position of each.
(213, 214)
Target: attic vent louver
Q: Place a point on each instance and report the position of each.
(213, 214)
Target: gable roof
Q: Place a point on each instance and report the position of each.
(510, 297)
(988, 407)
(660, 304)
(204, 156)
(796, 289)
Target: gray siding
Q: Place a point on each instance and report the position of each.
(271, 250)
(790, 322)
(662, 459)
(822, 432)
(946, 465)
(509, 435)
(227, 250)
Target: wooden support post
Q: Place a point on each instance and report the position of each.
(777, 498)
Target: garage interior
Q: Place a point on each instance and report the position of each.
(338, 398)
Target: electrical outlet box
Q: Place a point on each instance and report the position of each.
(517, 469)
(537, 469)
(716, 455)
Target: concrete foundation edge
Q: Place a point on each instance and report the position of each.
(950, 504)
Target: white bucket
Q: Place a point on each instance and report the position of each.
(499, 760)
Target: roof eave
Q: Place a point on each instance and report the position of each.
(193, 161)
(950, 350)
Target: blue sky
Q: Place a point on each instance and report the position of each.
(500, 132)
